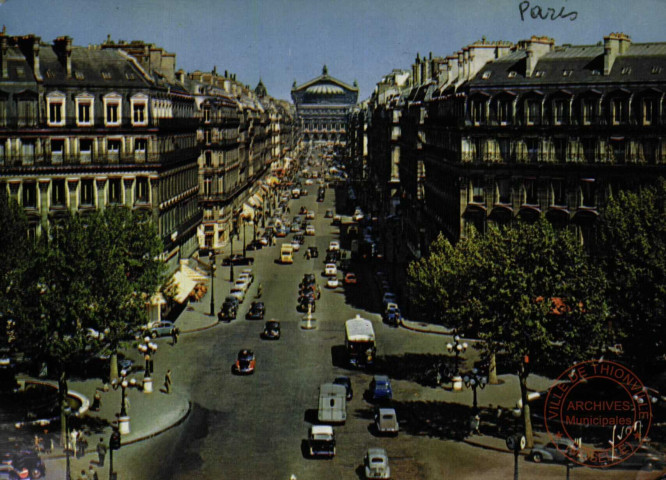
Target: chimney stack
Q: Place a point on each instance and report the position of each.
(535, 47)
(63, 47)
(4, 50)
(614, 44)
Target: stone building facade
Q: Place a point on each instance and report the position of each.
(323, 105)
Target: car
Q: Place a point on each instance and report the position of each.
(334, 245)
(644, 457)
(308, 279)
(232, 299)
(281, 232)
(247, 273)
(376, 464)
(332, 282)
(237, 260)
(321, 441)
(386, 421)
(8, 472)
(555, 452)
(255, 245)
(296, 244)
(389, 297)
(299, 238)
(392, 314)
(380, 388)
(328, 214)
(307, 302)
(309, 181)
(310, 290)
(25, 462)
(330, 270)
(310, 230)
(350, 278)
(332, 257)
(239, 293)
(160, 329)
(310, 215)
(256, 311)
(265, 240)
(337, 219)
(314, 252)
(271, 330)
(320, 198)
(346, 382)
(303, 210)
(245, 362)
(228, 312)
(242, 283)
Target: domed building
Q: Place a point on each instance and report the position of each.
(323, 105)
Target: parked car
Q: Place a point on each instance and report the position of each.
(332, 282)
(386, 421)
(334, 245)
(389, 297)
(271, 330)
(256, 311)
(330, 270)
(376, 464)
(160, 329)
(554, 452)
(299, 238)
(245, 362)
(321, 441)
(380, 388)
(346, 382)
(310, 215)
(247, 273)
(228, 312)
(255, 245)
(24, 462)
(350, 278)
(392, 314)
(237, 260)
(296, 244)
(239, 293)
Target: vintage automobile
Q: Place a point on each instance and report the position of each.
(321, 441)
(386, 421)
(228, 312)
(256, 311)
(237, 260)
(376, 464)
(380, 388)
(271, 330)
(245, 362)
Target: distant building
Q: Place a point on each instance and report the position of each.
(322, 106)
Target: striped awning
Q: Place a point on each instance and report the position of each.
(184, 286)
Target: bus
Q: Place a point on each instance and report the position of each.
(287, 253)
(360, 342)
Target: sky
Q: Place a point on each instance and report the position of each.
(282, 41)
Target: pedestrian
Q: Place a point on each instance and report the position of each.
(82, 445)
(83, 476)
(474, 424)
(174, 336)
(97, 401)
(167, 382)
(74, 435)
(92, 473)
(38, 441)
(101, 452)
(260, 290)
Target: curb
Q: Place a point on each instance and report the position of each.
(490, 447)
(407, 326)
(201, 329)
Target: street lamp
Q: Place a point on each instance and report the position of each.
(458, 348)
(233, 232)
(67, 410)
(124, 383)
(212, 283)
(475, 380)
(243, 223)
(148, 349)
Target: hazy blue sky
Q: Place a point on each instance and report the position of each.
(286, 40)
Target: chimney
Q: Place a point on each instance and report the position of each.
(417, 70)
(4, 50)
(536, 47)
(35, 59)
(180, 75)
(465, 72)
(614, 45)
(63, 48)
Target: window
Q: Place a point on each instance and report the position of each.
(56, 112)
(57, 151)
(112, 110)
(588, 111)
(113, 149)
(2, 151)
(139, 113)
(532, 110)
(3, 111)
(588, 193)
(206, 114)
(503, 191)
(28, 152)
(140, 145)
(115, 191)
(618, 109)
(58, 198)
(512, 74)
(504, 112)
(567, 73)
(478, 112)
(142, 190)
(486, 75)
(530, 188)
(207, 185)
(84, 113)
(27, 109)
(532, 149)
(625, 70)
(648, 111)
(477, 191)
(85, 149)
(112, 113)
(87, 192)
(559, 109)
(209, 158)
(207, 136)
(29, 196)
(558, 192)
(655, 70)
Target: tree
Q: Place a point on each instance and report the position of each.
(125, 248)
(504, 286)
(632, 252)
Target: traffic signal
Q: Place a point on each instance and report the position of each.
(114, 442)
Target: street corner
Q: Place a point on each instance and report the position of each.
(164, 412)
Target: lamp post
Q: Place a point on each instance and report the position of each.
(231, 254)
(457, 347)
(148, 349)
(212, 283)
(475, 380)
(243, 223)
(124, 384)
(68, 469)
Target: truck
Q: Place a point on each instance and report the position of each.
(332, 403)
(287, 253)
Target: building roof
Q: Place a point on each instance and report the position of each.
(326, 80)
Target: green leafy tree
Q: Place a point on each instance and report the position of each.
(527, 290)
(632, 252)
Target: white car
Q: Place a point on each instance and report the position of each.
(309, 181)
(296, 244)
(243, 283)
(330, 270)
(239, 293)
(332, 282)
(247, 272)
(376, 464)
(310, 215)
(334, 245)
(310, 230)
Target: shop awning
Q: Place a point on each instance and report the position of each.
(184, 286)
(192, 274)
(248, 212)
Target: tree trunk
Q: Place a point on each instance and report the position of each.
(492, 370)
(113, 366)
(64, 405)
(527, 418)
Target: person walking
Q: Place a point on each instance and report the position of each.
(174, 336)
(101, 452)
(97, 401)
(260, 290)
(167, 382)
(83, 476)
(92, 473)
(82, 445)
(74, 435)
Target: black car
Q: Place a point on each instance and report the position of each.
(227, 312)
(271, 330)
(237, 260)
(256, 312)
(308, 279)
(314, 252)
(346, 382)
(299, 238)
(254, 245)
(305, 301)
(24, 460)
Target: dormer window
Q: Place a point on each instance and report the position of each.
(486, 75)
(50, 74)
(655, 70)
(79, 75)
(596, 73)
(567, 73)
(539, 73)
(112, 110)
(56, 109)
(625, 70)
(106, 75)
(139, 104)
(512, 74)
(84, 110)
(130, 76)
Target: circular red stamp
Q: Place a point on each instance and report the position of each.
(597, 413)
